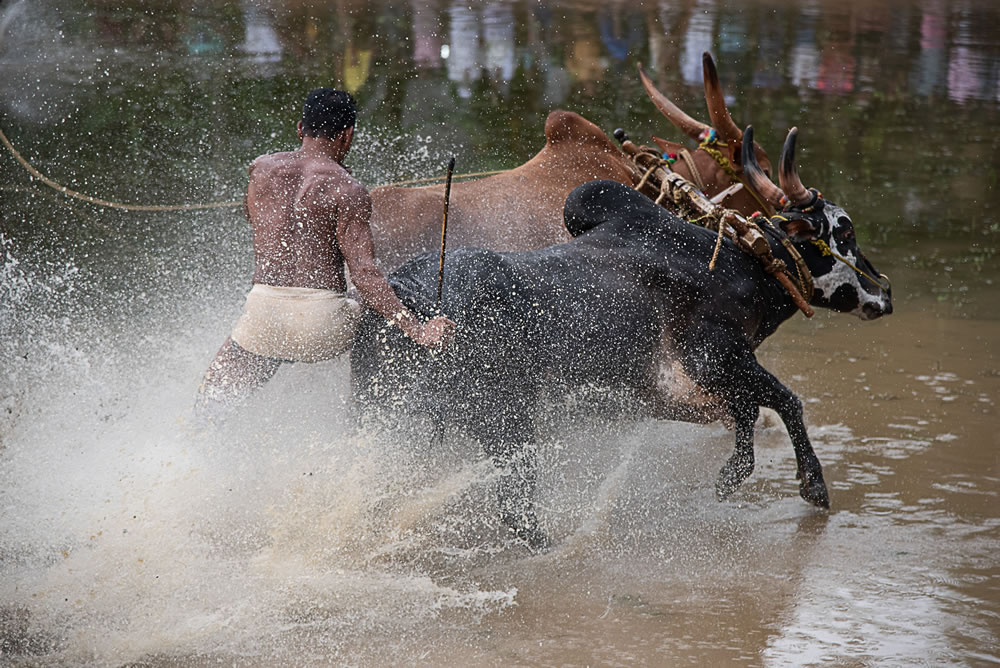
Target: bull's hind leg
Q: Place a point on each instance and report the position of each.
(508, 437)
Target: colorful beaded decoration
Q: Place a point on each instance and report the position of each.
(709, 136)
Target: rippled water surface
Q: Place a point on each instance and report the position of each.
(129, 536)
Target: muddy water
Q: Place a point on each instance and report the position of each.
(130, 535)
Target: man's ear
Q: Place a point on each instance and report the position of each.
(298, 129)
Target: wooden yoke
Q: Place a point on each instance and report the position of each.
(691, 204)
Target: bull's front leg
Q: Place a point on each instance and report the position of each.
(744, 414)
(758, 387)
(717, 358)
(779, 398)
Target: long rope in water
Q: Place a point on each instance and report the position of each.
(183, 207)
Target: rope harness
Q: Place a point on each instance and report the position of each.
(665, 187)
(804, 277)
(96, 201)
(688, 159)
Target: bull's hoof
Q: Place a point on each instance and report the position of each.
(525, 529)
(732, 475)
(536, 539)
(813, 489)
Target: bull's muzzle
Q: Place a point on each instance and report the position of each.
(881, 306)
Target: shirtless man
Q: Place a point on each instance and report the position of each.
(309, 217)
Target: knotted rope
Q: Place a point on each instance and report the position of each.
(692, 205)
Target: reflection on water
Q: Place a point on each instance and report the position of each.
(262, 42)
(128, 535)
(836, 48)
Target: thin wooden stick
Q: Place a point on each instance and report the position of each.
(439, 426)
(444, 232)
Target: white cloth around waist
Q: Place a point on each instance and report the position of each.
(296, 324)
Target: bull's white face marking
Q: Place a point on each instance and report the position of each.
(839, 234)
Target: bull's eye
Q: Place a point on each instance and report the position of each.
(845, 230)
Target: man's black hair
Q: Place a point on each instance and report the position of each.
(328, 112)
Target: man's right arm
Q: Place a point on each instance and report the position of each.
(355, 238)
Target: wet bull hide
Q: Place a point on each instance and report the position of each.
(629, 304)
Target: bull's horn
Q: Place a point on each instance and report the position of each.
(684, 123)
(791, 184)
(717, 111)
(755, 175)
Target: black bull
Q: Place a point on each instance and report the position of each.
(629, 304)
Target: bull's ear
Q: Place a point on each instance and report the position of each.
(736, 152)
(799, 229)
(667, 146)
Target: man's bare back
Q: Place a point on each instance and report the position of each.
(293, 201)
(310, 220)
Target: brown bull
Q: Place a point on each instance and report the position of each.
(521, 209)
(717, 162)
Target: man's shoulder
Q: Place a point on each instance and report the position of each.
(267, 165)
(272, 158)
(332, 178)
